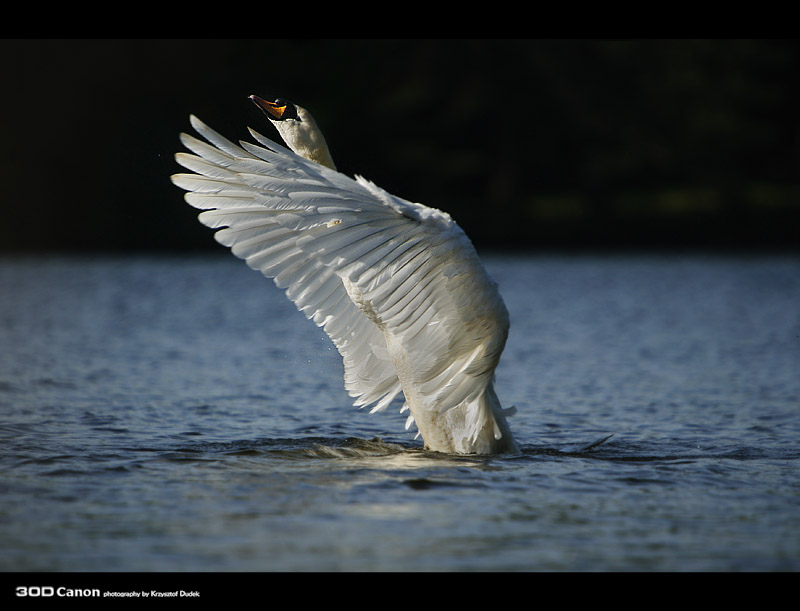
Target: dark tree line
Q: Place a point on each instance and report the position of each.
(527, 143)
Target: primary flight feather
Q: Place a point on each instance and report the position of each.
(397, 286)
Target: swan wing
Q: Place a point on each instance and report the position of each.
(396, 286)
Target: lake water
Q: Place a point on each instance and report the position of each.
(178, 414)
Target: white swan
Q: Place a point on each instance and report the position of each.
(396, 285)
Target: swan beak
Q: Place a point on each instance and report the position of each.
(273, 111)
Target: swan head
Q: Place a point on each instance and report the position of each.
(297, 128)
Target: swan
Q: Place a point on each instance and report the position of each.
(396, 285)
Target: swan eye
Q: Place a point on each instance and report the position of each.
(288, 110)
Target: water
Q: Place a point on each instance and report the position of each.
(168, 414)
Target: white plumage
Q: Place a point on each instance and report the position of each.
(396, 285)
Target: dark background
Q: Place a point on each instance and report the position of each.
(690, 143)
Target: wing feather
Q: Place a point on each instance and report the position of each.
(362, 264)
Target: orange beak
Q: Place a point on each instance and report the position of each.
(272, 110)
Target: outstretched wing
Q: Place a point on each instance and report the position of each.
(367, 267)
